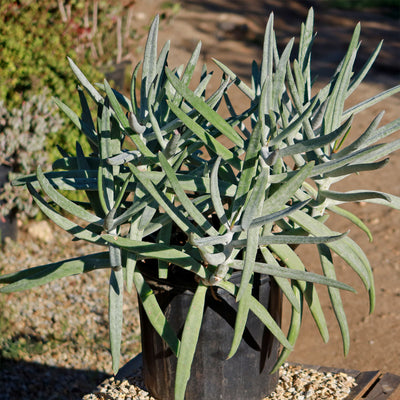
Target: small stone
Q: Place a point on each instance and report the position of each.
(41, 230)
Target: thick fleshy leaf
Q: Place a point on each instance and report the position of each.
(105, 178)
(134, 103)
(305, 47)
(288, 239)
(353, 218)
(149, 69)
(364, 70)
(65, 203)
(291, 259)
(382, 132)
(283, 283)
(285, 191)
(368, 154)
(65, 223)
(371, 101)
(86, 129)
(241, 319)
(207, 112)
(155, 314)
(335, 103)
(187, 204)
(254, 205)
(253, 235)
(156, 127)
(355, 168)
(248, 172)
(159, 252)
(86, 115)
(184, 224)
(334, 294)
(378, 151)
(278, 86)
(294, 125)
(298, 275)
(252, 210)
(270, 218)
(115, 307)
(294, 329)
(131, 258)
(40, 275)
(189, 70)
(268, 53)
(261, 313)
(63, 180)
(345, 248)
(96, 96)
(238, 82)
(353, 195)
(362, 139)
(215, 194)
(308, 145)
(190, 336)
(393, 203)
(204, 136)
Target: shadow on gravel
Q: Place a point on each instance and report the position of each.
(20, 380)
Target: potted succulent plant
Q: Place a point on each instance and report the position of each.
(206, 231)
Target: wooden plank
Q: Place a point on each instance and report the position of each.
(395, 395)
(364, 380)
(384, 387)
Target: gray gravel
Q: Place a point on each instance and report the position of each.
(295, 383)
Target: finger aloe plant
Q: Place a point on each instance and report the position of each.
(159, 165)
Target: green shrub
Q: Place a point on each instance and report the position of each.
(34, 56)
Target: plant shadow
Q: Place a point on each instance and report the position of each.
(22, 380)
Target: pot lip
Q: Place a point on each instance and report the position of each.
(179, 278)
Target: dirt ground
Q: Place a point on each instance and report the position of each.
(232, 32)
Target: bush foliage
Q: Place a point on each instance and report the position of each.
(34, 58)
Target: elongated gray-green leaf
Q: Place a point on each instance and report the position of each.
(96, 96)
(260, 311)
(292, 260)
(115, 307)
(334, 294)
(282, 272)
(353, 218)
(62, 222)
(155, 314)
(190, 336)
(193, 212)
(207, 112)
(63, 202)
(294, 330)
(40, 275)
(159, 252)
(354, 195)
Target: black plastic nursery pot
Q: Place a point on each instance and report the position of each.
(244, 376)
(8, 223)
